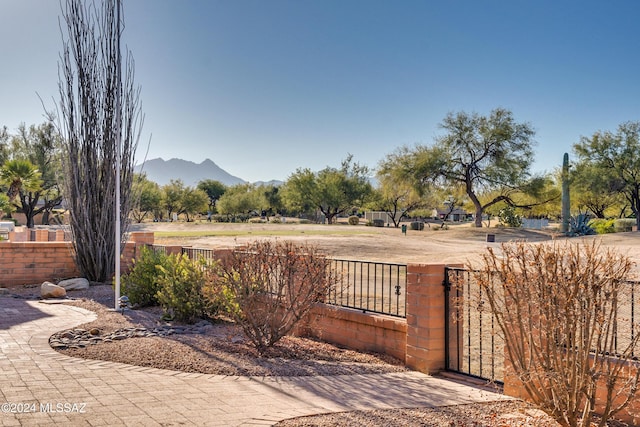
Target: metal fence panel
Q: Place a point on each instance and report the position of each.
(374, 287)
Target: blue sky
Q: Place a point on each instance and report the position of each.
(263, 87)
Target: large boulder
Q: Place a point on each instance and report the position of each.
(76, 284)
(49, 290)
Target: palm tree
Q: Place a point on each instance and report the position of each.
(5, 206)
(19, 175)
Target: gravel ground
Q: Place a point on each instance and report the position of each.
(493, 414)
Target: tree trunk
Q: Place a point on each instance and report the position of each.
(28, 208)
(478, 218)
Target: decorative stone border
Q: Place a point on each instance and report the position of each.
(80, 338)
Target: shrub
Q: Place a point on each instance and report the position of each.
(276, 220)
(272, 286)
(602, 226)
(182, 282)
(509, 217)
(624, 224)
(558, 309)
(354, 220)
(417, 225)
(141, 283)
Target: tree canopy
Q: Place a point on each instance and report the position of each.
(147, 197)
(239, 199)
(396, 194)
(41, 145)
(214, 189)
(615, 157)
(332, 191)
(481, 153)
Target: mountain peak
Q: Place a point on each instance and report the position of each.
(161, 171)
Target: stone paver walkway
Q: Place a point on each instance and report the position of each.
(41, 387)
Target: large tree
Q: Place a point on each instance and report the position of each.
(396, 194)
(214, 189)
(332, 191)
(148, 197)
(193, 201)
(239, 199)
(301, 183)
(172, 194)
(271, 201)
(592, 191)
(101, 120)
(616, 156)
(41, 146)
(481, 153)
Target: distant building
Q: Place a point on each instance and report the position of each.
(456, 215)
(371, 215)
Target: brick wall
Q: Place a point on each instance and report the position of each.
(31, 262)
(23, 263)
(417, 340)
(630, 414)
(357, 330)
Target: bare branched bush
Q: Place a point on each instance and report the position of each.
(561, 308)
(271, 286)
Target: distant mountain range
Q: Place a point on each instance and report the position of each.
(163, 171)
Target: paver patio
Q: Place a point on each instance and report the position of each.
(41, 387)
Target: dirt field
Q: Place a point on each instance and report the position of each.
(458, 244)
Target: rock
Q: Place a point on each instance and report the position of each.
(58, 345)
(76, 284)
(49, 290)
(94, 331)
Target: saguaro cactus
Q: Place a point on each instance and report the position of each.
(566, 200)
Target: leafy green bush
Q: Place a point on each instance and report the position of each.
(509, 217)
(354, 220)
(624, 224)
(603, 226)
(141, 283)
(182, 281)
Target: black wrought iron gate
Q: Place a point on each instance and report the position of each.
(473, 343)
